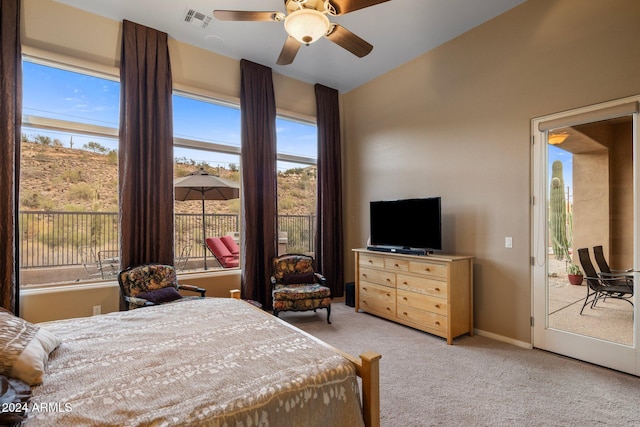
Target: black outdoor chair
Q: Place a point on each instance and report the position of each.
(620, 276)
(597, 288)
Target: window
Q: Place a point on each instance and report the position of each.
(69, 174)
(297, 185)
(207, 137)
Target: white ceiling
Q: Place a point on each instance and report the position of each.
(399, 30)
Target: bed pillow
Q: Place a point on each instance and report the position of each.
(158, 296)
(298, 279)
(24, 348)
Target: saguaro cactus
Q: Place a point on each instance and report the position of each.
(557, 213)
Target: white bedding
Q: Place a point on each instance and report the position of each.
(213, 362)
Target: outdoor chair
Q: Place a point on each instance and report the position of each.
(182, 259)
(152, 284)
(222, 253)
(597, 288)
(295, 286)
(620, 276)
(97, 267)
(231, 244)
(89, 261)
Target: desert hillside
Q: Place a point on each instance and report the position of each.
(57, 178)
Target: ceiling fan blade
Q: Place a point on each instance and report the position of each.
(289, 51)
(241, 15)
(346, 39)
(346, 6)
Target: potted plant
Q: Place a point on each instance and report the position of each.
(575, 274)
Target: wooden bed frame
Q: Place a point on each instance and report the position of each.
(367, 368)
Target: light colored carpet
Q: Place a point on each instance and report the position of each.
(477, 381)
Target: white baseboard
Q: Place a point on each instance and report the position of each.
(502, 338)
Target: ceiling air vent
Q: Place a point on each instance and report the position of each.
(197, 18)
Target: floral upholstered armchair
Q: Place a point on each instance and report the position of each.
(296, 287)
(152, 284)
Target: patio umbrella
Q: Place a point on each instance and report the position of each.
(200, 185)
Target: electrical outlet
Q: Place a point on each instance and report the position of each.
(97, 309)
(508, 242)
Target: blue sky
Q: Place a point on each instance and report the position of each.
(59, 94)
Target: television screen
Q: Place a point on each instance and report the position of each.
(409, 223)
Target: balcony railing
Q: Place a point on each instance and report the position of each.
(52, 239)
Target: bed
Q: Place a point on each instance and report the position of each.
(212, 361)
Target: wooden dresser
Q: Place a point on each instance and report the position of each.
(432, 293)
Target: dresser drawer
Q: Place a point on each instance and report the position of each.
(395, 264)
(381, 277)
(371, 261)
(425, 319)
(376, 298)
(422, 302)
(422, 285)
(429, 269)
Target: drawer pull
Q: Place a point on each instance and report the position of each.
(437, 323)
(427, 269)
(437, 305)
(396, 265)
(364, 288)
(405, 313)
(388, 294)
(364, 274)
(388, 309)
(437, 289)
(405, 298)
(370, 261)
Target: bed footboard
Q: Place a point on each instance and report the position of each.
(367, 368)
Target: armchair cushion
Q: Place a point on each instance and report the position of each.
(298, 278)
(299, 292)
(158, 296)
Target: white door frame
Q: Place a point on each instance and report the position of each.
(605, 353)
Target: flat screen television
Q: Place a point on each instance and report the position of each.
(408, 223)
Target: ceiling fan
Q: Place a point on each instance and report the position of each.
(306, 21)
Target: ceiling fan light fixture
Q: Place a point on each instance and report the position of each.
(306, 25)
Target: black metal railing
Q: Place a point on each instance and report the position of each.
(51, 239)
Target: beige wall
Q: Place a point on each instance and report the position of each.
(455, 123)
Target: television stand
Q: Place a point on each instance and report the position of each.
(433, 294)
(394, 250)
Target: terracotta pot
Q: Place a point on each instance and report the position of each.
(575, 279)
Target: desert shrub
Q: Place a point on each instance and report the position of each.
(112, 157)
(286, 203)
(34, 200)
(72, 176)
(82, 191)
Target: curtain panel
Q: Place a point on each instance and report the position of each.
(259, 194)
(329, 235)
(10, 129)
(145, 147)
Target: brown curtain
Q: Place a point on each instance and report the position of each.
(259, 225)
(146, 148)
(329, 237)
(11, 120)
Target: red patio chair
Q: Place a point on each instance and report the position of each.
(231, 245)
(222, 253)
